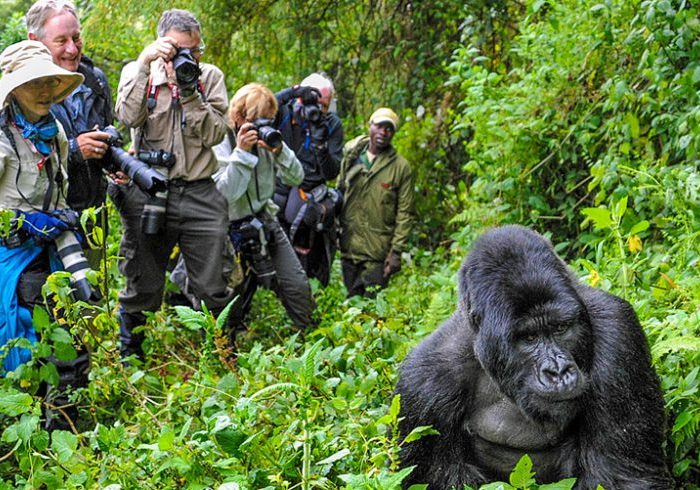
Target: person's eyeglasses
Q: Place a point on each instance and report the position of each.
(42, 83)
(198, 50)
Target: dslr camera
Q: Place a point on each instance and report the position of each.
(267, 132)
(252, 239)
(149, 180)
(153, 215)
(186, 68)
(70, 251)
(306, 106)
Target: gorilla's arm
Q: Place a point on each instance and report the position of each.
(435, 385)
(620, 445)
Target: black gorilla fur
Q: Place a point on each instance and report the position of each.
(533, 361)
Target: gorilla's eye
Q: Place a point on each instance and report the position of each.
(529, 336)
(562, 328)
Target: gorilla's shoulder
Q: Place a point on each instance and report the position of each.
(444, 358)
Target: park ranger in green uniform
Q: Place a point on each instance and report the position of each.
(377, 215)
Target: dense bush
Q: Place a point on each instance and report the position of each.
(578, 118)
(587, 128)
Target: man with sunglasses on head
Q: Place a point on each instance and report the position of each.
(174, 104)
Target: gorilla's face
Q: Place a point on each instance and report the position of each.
(533, 334)
(539, 355)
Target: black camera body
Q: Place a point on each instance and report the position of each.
(252, 239)
(186, 68)
(157, 158)
(149, 180)
(267, 132)
(307, 110)
(153, 215)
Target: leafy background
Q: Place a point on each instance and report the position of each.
(577, 118)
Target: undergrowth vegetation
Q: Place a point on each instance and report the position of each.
(578, 118)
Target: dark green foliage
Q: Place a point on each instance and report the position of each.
(587, 127)
(579, 118)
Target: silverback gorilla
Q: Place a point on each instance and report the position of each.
(533, 362)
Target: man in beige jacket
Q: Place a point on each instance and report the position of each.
(176, 104)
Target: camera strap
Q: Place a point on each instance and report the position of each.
(152, 99)
(257, 191)
(46, 163)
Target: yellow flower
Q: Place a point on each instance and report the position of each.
(25, 383)
(594, 278)
(634, 244)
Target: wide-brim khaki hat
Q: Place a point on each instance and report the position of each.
(25, 61)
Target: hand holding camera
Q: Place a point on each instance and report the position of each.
(260, 132)
(308, 95)
(93, 144)
(139, 169)
(247, 137)
(163, 47)
(306, 107)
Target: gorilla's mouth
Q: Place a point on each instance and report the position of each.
(524, 439)
(559, 396)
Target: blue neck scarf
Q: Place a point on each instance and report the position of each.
(40, 133)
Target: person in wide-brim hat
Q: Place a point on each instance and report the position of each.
(28, 61)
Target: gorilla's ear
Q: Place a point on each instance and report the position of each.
(474, 320)
(469, 309)
(466, 303)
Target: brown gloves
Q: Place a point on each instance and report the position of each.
(392, 264)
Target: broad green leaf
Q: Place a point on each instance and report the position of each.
(166, 440)
(420, 432)
(639, 227)
(64, 351)
(230, 440)
(682, 420)
(40, 441)
(394, 409)
(522, 475)
(567, 484)
(335, 457)
(600, 217)
(64, 443)
(49, 373)
(40, 319)
(13, 404)
(61, 335)
(136, 376)
(499, 485)
(22, 430)
(27, 426)
(621, 207)
(632, 124)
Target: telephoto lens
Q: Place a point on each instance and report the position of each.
(153, 215)
(74, 261)
(146, 178)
